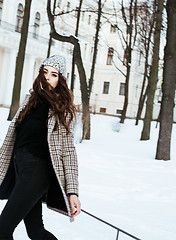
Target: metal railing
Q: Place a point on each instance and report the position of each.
(109, 224)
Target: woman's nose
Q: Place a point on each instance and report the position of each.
(47, 76)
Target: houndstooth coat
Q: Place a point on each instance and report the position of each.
(64, 161)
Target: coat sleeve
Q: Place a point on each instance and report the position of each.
(69, 161)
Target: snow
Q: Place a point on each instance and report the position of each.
(120, 182)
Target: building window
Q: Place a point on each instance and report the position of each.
(1, 5)
(36, 25)
(113, 28)
(103, 110)
(118, 111)
(68, 6)
(122, 89)
(89, 19)
(110, 55)
(20, 13)
(106, 88)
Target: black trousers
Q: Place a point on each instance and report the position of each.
(33, 177)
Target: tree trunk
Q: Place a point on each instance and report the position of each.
(91, 79)
(78, 61)
(143, 95)
(84, 93)
(130, 34)
(72, 85)
(168, 87)
(152, 83)
(86, 122)
(50, 38)
(73, 58)
(20, 61)
(141, 105)
(95, 49)
(49, 46)
(123, 116)
(159, 118)
(146, 42)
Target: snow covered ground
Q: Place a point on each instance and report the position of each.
(120, 182)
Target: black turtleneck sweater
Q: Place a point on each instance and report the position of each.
(32, 132)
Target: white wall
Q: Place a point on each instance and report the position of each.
(36, 51)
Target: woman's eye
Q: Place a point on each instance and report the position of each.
(54, 75)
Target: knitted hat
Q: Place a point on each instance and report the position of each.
(56, 61)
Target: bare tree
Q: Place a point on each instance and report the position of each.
(95, 50)
(50, 38)
(85, 87)
(169, 85)
(146, 26)
(79, 63)
(127, 39)
(76, 34)
(131, 33)
(153, 79)
(20, 61)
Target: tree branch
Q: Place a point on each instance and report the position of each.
(119, 69)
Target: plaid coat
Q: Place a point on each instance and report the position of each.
(64, 161)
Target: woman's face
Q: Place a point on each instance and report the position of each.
(51, 75)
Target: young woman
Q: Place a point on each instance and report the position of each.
(38, 162)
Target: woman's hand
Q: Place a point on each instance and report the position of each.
(74, 202)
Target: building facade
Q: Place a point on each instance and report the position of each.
(108, 89)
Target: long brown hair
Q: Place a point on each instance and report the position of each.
(60, 100)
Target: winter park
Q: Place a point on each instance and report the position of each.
(87, 119)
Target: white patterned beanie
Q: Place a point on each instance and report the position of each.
(56, 61)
